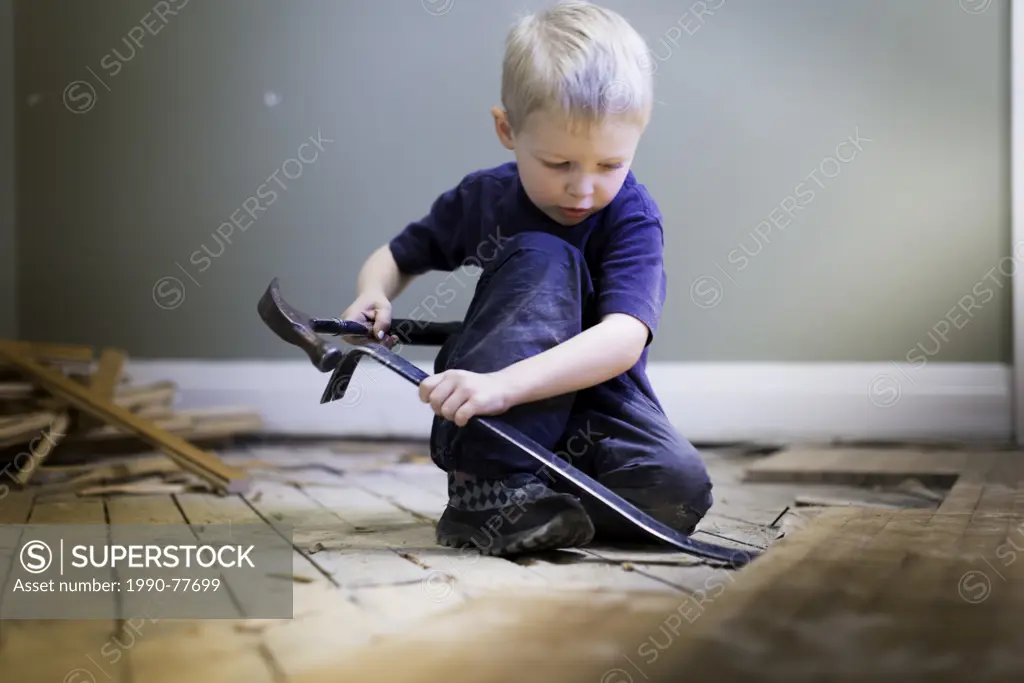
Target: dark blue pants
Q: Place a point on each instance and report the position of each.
(535, 294)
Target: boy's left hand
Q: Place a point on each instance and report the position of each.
(458, 395)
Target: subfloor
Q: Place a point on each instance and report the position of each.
(376, 599)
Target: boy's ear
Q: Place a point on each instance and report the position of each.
(503, 129)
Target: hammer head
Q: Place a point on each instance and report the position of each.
(296, 328)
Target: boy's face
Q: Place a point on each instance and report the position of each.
(570, 174)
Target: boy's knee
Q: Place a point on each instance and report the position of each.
(688, 482)
(537, 246)
(545, 266)
(683, 497)
(543, 241)
(677, 490)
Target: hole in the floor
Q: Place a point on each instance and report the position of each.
(759, 451)
(741, 449)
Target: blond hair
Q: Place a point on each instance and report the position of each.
(577, 59)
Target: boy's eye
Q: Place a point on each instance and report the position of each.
(566, 164)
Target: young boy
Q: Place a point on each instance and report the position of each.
(569, 297)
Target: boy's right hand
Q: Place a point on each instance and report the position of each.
(373, 310)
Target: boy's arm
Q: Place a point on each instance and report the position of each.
(596, 355)
(435, 242)
(381, 275)
(430, 243)
(379, 280)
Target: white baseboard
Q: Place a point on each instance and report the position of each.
(707, 402)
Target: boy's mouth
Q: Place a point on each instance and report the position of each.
(574, 213)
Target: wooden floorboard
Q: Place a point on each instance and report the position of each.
(882, 601)
(421, 501)
(214, 646)
(324, 618)
(85, 647)
(853, 592)
(405, 533)
(860, 594)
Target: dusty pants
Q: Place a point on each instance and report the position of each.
(537, 294)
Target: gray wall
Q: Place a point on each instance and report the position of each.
(8, 295)
(751, 101)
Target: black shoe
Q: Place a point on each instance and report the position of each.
(515, 515)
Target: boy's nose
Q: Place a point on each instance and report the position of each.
(581, 188)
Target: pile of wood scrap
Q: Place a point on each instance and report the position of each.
(145, 475)
(54, 395)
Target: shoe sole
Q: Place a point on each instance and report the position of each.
(568, 529)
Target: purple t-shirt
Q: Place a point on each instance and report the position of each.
(622, 244)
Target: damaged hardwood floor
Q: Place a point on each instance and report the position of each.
(366, 571)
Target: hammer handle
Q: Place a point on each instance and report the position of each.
(411, 332)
